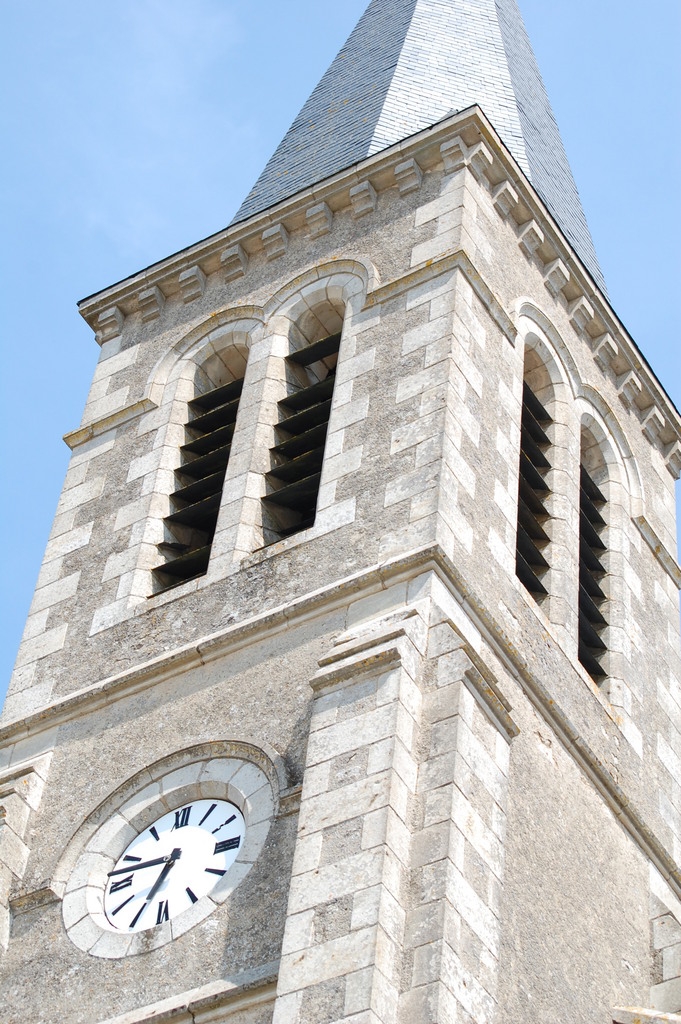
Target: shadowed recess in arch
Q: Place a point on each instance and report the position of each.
(293, 481)
(195, 502)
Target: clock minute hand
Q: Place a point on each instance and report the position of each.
(138, 867)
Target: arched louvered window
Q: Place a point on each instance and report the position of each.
(290, 502)
(592, 571)
(532, 538)
(195, 502)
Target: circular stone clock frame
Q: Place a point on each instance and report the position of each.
(160, 790)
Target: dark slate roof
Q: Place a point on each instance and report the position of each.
(407, 65)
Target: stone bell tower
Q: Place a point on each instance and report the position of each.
(351, 687)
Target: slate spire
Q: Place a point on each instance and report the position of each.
(407, 65)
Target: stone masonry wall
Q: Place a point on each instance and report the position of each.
(447, 275)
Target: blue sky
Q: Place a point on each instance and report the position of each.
(133, 128)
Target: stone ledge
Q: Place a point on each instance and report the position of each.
(75, 438)
(490, 698)
(666, 560)
(289, 801)
(232, 995)
(33, 900)
(636, 1016)
(385, 630)
(380, 658)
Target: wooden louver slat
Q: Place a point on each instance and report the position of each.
(293, 481)
(532, 538)
(592, 599)
(196, 501)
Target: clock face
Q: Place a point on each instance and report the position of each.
(173, 863)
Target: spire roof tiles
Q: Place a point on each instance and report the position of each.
(407, 65)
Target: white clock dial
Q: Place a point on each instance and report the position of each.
(172, 864)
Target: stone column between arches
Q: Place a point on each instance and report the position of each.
(393, 914)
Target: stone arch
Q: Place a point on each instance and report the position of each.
(317, 305)
(605, 455)
(210, 355)
(550, 373)
(534, 325)
(239, 327)
(333, 281)
(596, 410)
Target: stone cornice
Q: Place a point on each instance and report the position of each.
(465, 139)
(101, 694)
(376, 294)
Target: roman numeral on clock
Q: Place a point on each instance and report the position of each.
(181, 818)
(122, 883)
(227, 844)
(191, 895)
(162, 914)
(121, 905)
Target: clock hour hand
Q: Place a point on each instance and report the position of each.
(174, 856)
(138, 867)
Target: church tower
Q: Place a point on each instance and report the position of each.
(351, 688)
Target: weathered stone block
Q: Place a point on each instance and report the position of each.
(530, 237)
(363, 199)
(151, 303)
(192, 284)
(275, 241)
(556, 276)
(408, 176)
(319, 220)
(581, 313)
(505, 198)
(109, 324)
(234, 262)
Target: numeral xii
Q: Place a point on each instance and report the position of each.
(181, 818)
